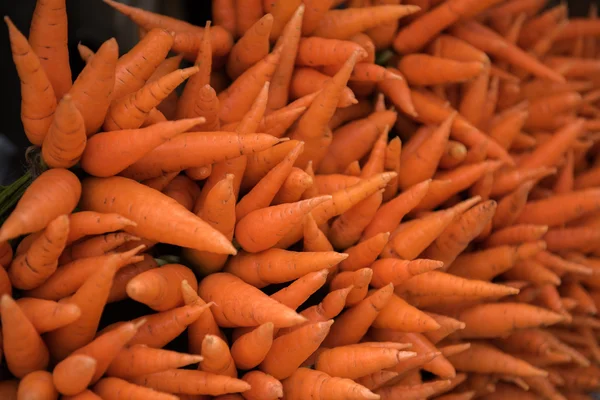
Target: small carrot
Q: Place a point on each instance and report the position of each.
(263, 386)
(359, 280)
(183, 190)
(293, 187)
(160, 288)
(364, 253)
(251, 47)
(294, 295)
(24, 350)
(191, 382)
(112, 388)
(125, 274)
(303, 383)
(217, 357)
(395, 271)
(250, 349)
(424, 70)
(400, 316)
(282, 12)
(516, 234)
(37, 384)
(73, 374)
(87, 223)
(511, 206)
(92, 91)
(54, 193)
(46, 315)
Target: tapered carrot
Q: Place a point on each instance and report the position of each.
(92, 91)
(573, 205)
(336, 362)
(247, 266)
(303, 383)
(160, 182)
(411, 238)
(585, 303)
(88, 223)
(211, 289)
(400, 316)
(247, 13)
(97, 188)
(250, 349)
(66, 138)
(191, 382)
(261, 162)
(301, 289)
(216, 357)
(565, 179)
(314, 239)
(112, 388)
(138, 142)
(74, 374)
(359, 280)
(516, 234)
(343, 24)
(293, 213)
(514, 316)
(24, 350)
(46, 315)
(415, 391)
(506, 181)
(263, 386)
(331, 306)
(364, 253)
(297, 345)
(293, 187)
(395, 271)
(125, 274)
(427, 160)
(251, 47)
(454, 154)
(130, 111)
(224, 14)
(37, 384)
(54, 193)
(447, 327)
(356, 111)
(70, 277)
(168, 107)
(183, 190)
(31, 269)
(424, 70)
(377, 379)
(219, 211)
(305, 81)
(512, 205)
(160, 288)
(457, 236)
(359, 317)
(352, 141)
(154, 360)
(38, 99)
(491, 360)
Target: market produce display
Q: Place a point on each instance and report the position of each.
(307, 199)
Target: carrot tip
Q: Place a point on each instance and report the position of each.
(284, 139)
(138, 325)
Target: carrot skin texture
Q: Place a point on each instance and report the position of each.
(37, 384)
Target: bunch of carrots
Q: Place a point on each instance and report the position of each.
(308, 199)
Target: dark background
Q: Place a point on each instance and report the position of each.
(91, 22)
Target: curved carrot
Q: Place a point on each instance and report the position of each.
(46, 315)
(31, 269)
(87, 223)
(422, 69)
(160, 288)
(37, 384)
(38, 99)
(48, 38)
(92, 91)
(24, 350)
(225, 289)
(110, 388)
(54, 193)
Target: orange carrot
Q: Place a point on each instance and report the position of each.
(400, 316)
(251, 47)
(73, 374)
(516, 234)
(183, 190)
(97, 189)
(84, 223)
(125, 274)
(293, 187)
(160, 288)
(395, 271)
(110, 388)
(250, 349)
(191, 382)
(263, 386)
(301, 289)
(364, 253)
(282, 12)
(424, 70)
(247, 12)
(303, 383)
(216, 357)
(573, 205)
(37, 384)
(224, 14)
(359, 280)
(511, 206)
(46, 315)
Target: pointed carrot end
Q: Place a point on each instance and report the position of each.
(137, 325)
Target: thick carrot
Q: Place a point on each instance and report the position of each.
(48, 39)
(92, 91)
(247, 13)
(251, 47)
(416, 391)
(73, 374)
(331, 306)
(251, 348)
(67, 279)
(191, 382)
(38, 99)
(160, 288)
(377, 379)
(114, 388)
(54, 193)
(508, 180)
(46, 315)
(130, 111)
(303, 383)
(216, 357)
(37, 384)
(343, 24)
(282, 12)
(31, 269)
(424, 70)
(573, 205)
(97, 189)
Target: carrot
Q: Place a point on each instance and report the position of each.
(6, 254)
(96, 189)
(216, 357)
(48, 40)
(508, 180)
(352, 141)
(39, 262)
(305, 81)
(282, 12)
(130, 111)
(160, 289)
(356, 111)
(364, 253)
(416, 391)
(448, 326)
(92, 91)
(70, 277)
(293, 187)
(73, 374)
(512, 206)
(457, 236)
(411, 238)
(168, 107)
(360, 317)
(585, 304)
(251, 348)
(24, 350)
(395, 271)
(331, 306)
(114, 388)
(337, 362)
(316, 51)
(423, 70)
(251, 47)
(516, 234)
(125, 274)
(247, 13)
(303, 383)
(301, 289)
(8, 389)
(376, 380)
(263, 386)
(575, 204)
(46, 315)
(152, 360)
(343, 24)
(224, 14)
(400, 316)
(211, 289)
(183, 190)
(37, 384)
(54, 193)
(393, 153)
(38, 99)
(191, 382)
(87, 223)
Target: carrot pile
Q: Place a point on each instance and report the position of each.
(320, 200)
